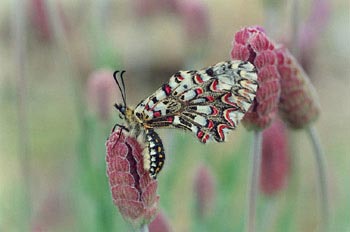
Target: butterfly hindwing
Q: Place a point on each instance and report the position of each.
(208, 102)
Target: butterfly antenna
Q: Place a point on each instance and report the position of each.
(120, 86)
(123, 85)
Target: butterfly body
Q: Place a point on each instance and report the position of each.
(208, 102)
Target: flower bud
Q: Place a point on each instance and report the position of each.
(133, 190)
(251, 44)
(298, 104)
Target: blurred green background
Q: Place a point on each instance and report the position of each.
(55, 115)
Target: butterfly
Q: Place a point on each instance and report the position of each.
(207, 102)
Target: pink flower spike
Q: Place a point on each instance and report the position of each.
(160, 224)
(134, 192)
(251, 44)
(101, 91)
(275, 159)
(204, 184)
(39, 17)
(195, 15)
(299, 104)
(40, 20)
(150, 8)
(311, 31)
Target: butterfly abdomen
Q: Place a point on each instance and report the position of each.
(154, 156)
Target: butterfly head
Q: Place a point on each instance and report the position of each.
(121, 108)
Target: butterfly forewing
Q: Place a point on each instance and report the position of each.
(208, 102)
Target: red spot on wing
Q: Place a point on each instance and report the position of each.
(226, 99)
(227, 116)
(198, 79)
(200, 134)
(156, 114)
(180, 78)
(210, 98)
(220, 128)
(214, 110)
(205, 138)
(170, 119)
(199, 91)
(213, 86)
(167, 89)
(210, 124)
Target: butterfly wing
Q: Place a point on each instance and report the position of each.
(208, 102)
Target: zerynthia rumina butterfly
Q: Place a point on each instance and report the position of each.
(208, 102)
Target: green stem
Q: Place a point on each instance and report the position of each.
(322, 175)
(254, 180)
(19, 33)
(144, 228)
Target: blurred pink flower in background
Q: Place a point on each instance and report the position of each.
(160, 224)
(147, 8)
(101, 93)
(251, 44)
(204, 189)
(41, 21)
(195, 13)
(310, 32)
(195, 16)
(275, 158)
(298, 104)
(39, 16)
(134, 192)
(52, 210)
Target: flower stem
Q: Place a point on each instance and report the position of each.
(19, 33)
(254, 180)
(144, 228)
(321, 167)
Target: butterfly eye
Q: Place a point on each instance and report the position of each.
(121, 108)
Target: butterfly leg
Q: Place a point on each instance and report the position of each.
(122, 126)
(120, 132)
